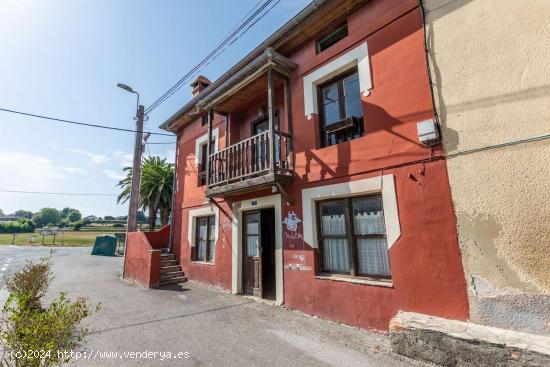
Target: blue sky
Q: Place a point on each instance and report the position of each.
(63, 58)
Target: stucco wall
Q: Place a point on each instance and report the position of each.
(489, 64)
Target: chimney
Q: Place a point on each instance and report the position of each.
(199, 84)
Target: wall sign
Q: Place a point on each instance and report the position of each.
(291, 221)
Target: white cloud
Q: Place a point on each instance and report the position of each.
(126, 159)
(114, 175)
(29, 172)
(95, 159)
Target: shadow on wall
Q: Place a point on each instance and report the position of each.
(378, 120)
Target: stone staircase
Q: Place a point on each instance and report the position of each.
(170, 270)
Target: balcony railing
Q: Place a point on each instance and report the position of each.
(250, 158)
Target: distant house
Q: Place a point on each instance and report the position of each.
(9, 218)
(90, 218)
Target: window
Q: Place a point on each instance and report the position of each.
(203, 162)
(341, 115)
(330, 39)
(352, 237)
(205, 239)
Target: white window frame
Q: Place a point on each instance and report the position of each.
(356, 57)
(202, 140)
(381, 184)
(192, 224)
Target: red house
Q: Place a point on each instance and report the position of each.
(301, 178)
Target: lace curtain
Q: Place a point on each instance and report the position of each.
(368, 219)
(201, 243)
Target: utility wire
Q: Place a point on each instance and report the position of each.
(229, 39)
(56, 193)
(80, 123)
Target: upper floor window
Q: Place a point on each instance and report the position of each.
(341, 112)
(330, 39)
(352, 237)
(204, 161)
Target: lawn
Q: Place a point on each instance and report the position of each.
(69, 238)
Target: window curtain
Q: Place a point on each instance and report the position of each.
(212, 239)
(335, 250)
(372, 253)
(201, 244)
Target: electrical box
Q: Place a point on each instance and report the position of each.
(428, 133)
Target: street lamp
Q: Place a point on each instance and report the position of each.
(129, 89)
(131, 225)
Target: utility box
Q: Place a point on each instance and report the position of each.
(104, 246)
(428, 133)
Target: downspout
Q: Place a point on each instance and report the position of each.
(174, 189)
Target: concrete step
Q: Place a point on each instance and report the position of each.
(169, 269)
(447, 342)
(167, 257)
(173, 280)
(164, 263)
(173, 274)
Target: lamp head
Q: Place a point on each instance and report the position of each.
(125, 87)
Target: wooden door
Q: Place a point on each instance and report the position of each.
(252, 250)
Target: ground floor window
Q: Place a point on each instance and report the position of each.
(205, 239)
(352, 237)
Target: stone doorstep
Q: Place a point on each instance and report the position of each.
(457, 343)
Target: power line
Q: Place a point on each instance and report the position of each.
(228, 40)
(155, 143)
(56, 193)
(79, 123)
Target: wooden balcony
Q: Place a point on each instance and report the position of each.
(247, 165)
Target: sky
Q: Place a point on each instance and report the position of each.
(63, 58)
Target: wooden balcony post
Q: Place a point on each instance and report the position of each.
(208, 142)
(271, 115)
(288, 108)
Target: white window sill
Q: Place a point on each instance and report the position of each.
(211, 263)
(348, 279)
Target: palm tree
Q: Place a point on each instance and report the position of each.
(156, 188)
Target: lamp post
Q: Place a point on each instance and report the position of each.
(136, 171)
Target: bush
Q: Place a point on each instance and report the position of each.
(118, 225)
(21, 225)
(78, 225)
(27, 325)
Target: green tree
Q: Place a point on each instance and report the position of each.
(45, 216)
(140, 216)
(157, 178)
(74, 216)
(23, 214)
(1, 213)
(109, 217)
(65, 212)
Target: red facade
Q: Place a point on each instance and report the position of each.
(425, 263)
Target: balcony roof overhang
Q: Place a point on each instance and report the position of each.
(290, 37)
(241, 87)
(247, 82)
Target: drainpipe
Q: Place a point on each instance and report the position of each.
(174, 189)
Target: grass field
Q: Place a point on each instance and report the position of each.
(85, 237)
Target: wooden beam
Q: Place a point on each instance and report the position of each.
(271, 115)
(288, 108)
(208, 147)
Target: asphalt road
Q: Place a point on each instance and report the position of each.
(194, 325)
